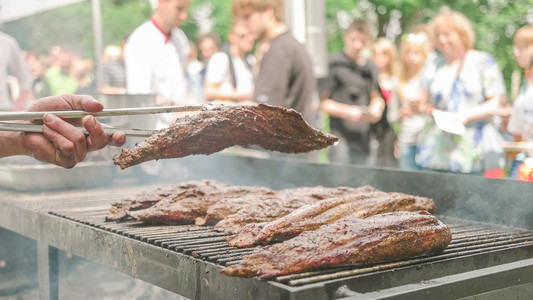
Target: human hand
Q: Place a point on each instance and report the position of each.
(61, 143)
(354, 114)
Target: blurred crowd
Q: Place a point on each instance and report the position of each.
(429, 101)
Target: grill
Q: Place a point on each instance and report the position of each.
(490, 252)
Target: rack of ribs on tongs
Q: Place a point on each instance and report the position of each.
(270, 127)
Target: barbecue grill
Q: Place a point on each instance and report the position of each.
(490, 256)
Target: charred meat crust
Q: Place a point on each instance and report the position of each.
(270, 127)
(379, 238)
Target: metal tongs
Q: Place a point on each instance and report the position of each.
(71, 114)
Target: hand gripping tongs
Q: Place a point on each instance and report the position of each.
(38, 115)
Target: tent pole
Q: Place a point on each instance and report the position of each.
(98, 48)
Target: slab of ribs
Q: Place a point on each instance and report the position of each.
(270, 127)
(310, 217)
(231, 207)
(351, 240)
(336, 225)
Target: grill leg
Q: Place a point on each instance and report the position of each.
(48, 271)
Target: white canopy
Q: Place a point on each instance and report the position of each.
(11, 10)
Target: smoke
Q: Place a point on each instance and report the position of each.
(18, 263)
(78, 278)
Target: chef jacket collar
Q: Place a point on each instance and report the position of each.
(165, 34)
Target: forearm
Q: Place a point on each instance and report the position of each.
(375, 109)
(334, 108)
(482, 111)
(214, 93)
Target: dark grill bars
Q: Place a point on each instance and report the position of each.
(469, 238)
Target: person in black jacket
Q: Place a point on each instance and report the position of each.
(352, 99)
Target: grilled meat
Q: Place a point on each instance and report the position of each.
(264, 210)
(230, 206)
(351, 240)
(270, 127)
(311, 217)
(119, 210)
(186, 205)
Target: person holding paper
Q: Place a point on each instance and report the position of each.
(467, 83)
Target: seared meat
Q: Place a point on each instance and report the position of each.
(230, 206)
(268, 209)
(379, 238)
(270, 127)
(186, 205)
(119, 210)
(311, 217)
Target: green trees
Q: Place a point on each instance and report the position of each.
(495, 22)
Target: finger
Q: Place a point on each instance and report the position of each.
(88, 103)
(68, 139)
(50, 103)
(97, 138)
(118, 139)
(67, 102)
(84, 102)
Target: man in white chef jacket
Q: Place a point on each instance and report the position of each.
(155, 55)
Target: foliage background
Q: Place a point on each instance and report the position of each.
(495, 22)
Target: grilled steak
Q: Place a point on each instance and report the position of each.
(186, 205)
(119, 210)
(264, 210)
(379, 238)
(270, 127)
(311, 217)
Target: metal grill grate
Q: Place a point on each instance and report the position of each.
(469, 238)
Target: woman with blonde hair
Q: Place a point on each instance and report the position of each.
(521, 120)
(384, 55)
(466, 87)
(407, 107)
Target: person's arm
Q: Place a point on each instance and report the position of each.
(339, 110)
(212, 92)
(18, 67)
(493, 87)
(353, 113)
(394, 114)
(376, 107)
(61, 143)
(484, 110)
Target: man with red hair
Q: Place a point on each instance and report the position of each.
(285, 75)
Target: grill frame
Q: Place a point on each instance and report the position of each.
(27, 214)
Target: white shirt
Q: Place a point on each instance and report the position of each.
(218, 71)
(521, 120)
(154, 66)
(12, 63)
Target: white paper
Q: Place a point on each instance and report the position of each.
(448, 121)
